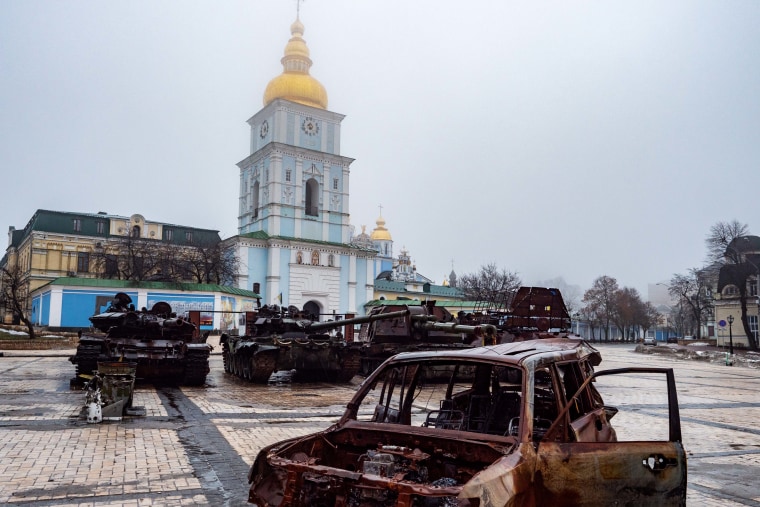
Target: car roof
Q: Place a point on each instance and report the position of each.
(534, 352)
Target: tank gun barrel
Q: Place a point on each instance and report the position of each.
(324, 326)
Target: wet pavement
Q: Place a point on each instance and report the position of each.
(195, 445)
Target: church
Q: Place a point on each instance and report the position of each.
(294, 244)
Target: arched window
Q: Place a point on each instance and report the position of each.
(312, 197)
(315, 258)
(331, 260)
(255, 199)
(136, 231)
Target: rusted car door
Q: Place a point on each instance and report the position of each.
(619, 471)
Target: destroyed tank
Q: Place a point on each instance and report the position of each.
(278, 339)
(165, 347)
(526, 314)
(421, 327)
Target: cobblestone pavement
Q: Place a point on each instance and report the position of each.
(195, 445)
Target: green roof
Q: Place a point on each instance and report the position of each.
(131, 284)
(63, 222)
(428, 288)
(399, 302)
(265, 236)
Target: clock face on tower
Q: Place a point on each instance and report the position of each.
(264, 130)
(310, 126)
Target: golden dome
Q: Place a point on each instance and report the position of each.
(380, 233)
(295, 84)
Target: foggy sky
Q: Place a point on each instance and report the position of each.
(555, 139)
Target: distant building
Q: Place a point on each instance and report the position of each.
(68, 303)
(56, 244)
(727, 294)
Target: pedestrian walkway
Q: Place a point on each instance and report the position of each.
(195, 445)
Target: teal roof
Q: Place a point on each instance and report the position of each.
(399, 302)
(62, 222)
(428, 289)
(131, 284)
(265, 236)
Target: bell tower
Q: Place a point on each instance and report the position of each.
(295, 183)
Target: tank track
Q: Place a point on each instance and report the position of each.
(227, 361)
(86, 358)
(196, 369)
(264, 364)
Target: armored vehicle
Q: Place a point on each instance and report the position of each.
(527, 423)
(164, 346)
(420, 327)
(282, 339)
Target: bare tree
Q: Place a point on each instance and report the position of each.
(489, 284)
(649, 317)
(627, 311)
(727, 241)
(693, 294)
(129, 258)
(721, 236)
(15, 295)
(600, 300)
(210, 263)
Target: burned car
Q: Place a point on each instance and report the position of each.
(520, 424)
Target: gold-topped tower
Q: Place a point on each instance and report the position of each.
(295, 84)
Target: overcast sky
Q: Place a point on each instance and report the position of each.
(555, 139)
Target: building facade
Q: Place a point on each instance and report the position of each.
(56, 244)
(743, 267)
(68, 303)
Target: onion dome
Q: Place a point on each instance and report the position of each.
(380, 233)
(295, 84)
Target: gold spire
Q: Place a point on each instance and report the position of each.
(295, 84)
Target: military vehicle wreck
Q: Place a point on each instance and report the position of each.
(283, 339)
(165, 347)
(423, 326)
(527, 423)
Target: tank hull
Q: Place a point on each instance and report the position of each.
(158, 361)
(316, 360)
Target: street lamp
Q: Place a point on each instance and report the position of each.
(730, 340)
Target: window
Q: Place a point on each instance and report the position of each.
(189, 237)
(753, 287)
(112, 265)
(335, 183)
(101, 228)
(255, 200)
(77, 225)
(752, 321)
(136, 231)
(312, 197)
(266, 175)
(83, 262)
(331, 260)
(730, 290)
(168, 234)
(287, 174)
